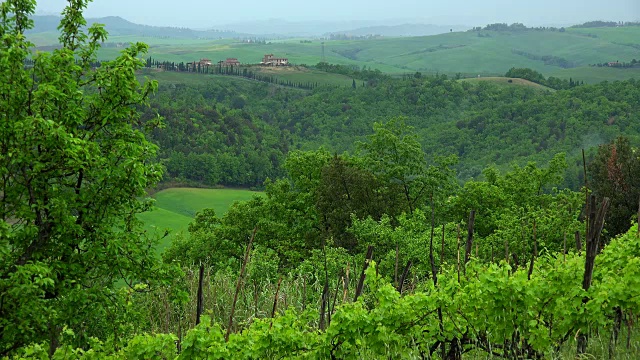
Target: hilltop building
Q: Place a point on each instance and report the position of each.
(270, 60)
(202, 62)
(229, 62)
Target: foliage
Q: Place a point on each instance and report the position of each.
(538, 78)
(493, 309)
(74, 165)
(614, 174)
(481, 123)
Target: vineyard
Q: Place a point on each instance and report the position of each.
(467, 310)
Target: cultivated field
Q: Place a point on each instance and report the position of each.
(504, 81)
(486, 53)
(175, 208)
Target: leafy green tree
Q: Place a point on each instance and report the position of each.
(394, 155)
(74, 166)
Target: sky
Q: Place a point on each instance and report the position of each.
(214, 14)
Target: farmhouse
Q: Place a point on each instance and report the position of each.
(202, 62)
(229, 62)
(269, 59)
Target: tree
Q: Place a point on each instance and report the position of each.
(614, 174)
(74, 166)
(395, 156)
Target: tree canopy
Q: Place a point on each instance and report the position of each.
(74, 168)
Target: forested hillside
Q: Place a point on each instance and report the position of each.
(237, 132)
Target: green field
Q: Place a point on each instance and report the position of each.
(507, 82)
(485, 53)
(175, 208)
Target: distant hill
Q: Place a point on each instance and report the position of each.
(403, 30)
(117, 26)
(397, 27)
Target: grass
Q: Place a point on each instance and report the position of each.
(487, 53)
(596, 74)
(294, 74)
(175, 208)
(303, 75)
(507, 82)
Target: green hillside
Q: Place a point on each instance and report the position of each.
(472, 53)
(509, 82)
(175, 208)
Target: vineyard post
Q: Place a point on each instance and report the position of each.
(405, 273)
(239, 284)
(325, 292)
(367, 259)
(345, 281)
(564, 251)
(596, 220)
(304, 293)
(467, 251)
(586, 194)
(434, 271)
(275, 301)
(442, 250)
(432, 262)
(395, 272)
(200, 301)
(335, 298)
(638, 223)
(458, 254)
(535, 251)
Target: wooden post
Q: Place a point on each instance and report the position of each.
(395, 273)
(535, 251)
(458, 253)
(564, 251)
(367, 259)
(442, 250)
(467, 253)
(405, 273)
(200, 300)
(239, 284)
(596, 220)
(345, 281)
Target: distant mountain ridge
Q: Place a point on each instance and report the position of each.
(403, 30)
(117, 26)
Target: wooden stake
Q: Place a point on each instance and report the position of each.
(564, 251)
(239, 284)
(442, 250)
(395, 273)
(367, 259)
(405, 273)
(467, 252)
(200, 301)
(458, 253)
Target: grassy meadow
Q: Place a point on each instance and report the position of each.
(175, 208)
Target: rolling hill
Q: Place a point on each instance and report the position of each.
(567, 53)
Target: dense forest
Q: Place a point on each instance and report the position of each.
(408, 218)
(237, 133)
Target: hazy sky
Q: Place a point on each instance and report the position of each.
(213, 13)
